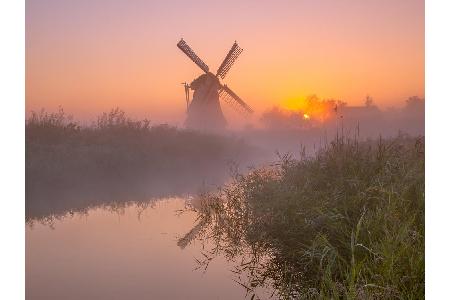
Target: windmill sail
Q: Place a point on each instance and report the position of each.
(191, 54)
(231, 98)
(229, 60)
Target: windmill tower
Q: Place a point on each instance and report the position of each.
(204, 111)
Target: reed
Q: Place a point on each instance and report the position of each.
(116, 158)
(347, 223)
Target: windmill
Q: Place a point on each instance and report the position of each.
(204, 111)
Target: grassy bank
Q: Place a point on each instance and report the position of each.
(345, 224)
(70, 167)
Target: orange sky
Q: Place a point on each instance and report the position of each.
(91, 56)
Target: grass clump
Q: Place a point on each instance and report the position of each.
(347, 223)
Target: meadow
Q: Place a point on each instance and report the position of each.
(346, 223)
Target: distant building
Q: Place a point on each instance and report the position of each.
(365, 119)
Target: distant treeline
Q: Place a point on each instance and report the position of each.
(70, 167)
(368, 119)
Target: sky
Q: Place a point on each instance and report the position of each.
(89, 56)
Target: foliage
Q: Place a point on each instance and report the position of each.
(345, 224)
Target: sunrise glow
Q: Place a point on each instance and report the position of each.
(92, 56)
(311, 107)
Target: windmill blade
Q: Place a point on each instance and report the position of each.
(191, 54)
(229, 60)
(231, 98)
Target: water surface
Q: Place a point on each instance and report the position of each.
(126, 252)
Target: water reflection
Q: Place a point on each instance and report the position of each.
(127, 251)
(47, 200)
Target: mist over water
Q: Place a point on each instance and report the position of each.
(103, 201)
(73, 168)
(103, 208)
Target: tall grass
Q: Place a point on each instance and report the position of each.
(347, 223)
(69, 166)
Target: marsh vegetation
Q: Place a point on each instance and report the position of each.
(70, 167)
(347, 223)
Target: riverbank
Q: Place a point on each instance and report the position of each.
(71, 167)
(346, 223)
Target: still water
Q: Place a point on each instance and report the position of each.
(127, 252)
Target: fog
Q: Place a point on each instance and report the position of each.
(72, 168)
(317, 122)
(95, 196)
